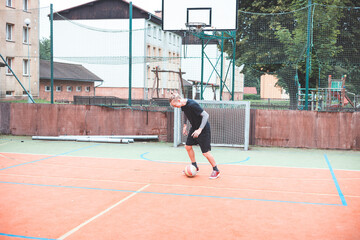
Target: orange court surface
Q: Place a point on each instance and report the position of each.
(84, 191)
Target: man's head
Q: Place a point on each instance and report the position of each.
(175, 100)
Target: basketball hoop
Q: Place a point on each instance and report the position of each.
(195, 26)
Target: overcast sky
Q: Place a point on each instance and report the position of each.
(149, 5)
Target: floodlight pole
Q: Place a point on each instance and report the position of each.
(308, 56)
(27, 23)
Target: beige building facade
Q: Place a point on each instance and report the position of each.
(19, 46)
(269, 90)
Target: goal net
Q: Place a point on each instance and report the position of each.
(229, 122)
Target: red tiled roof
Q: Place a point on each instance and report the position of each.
(250, 90)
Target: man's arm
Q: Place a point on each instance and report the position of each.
(205, 117)
(185, 125)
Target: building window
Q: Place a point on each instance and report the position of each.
(9, 3)
(9, 93)
(25, 5)
(24, 93)
(169, 38)
(9, 31)
(69, 88)
(26, 35)
(154, 32)
(26, 67)
(58, 88)
(78, 88)
(160, 34)
(149, 30)
(47, 88)
(9, 62)
(87, 89)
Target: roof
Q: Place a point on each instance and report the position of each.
(106, 9)
(250, 90)
(67, 71)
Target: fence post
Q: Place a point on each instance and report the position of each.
(308, 56)
(130, 50)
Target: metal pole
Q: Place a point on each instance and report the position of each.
(52, 53)
(130, 50)
(28, 43)
(222, 65)
(233, 62)
(202, 70)
(308, 56)
(17, 79)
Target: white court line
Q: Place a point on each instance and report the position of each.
(100, 214)
(181, 185)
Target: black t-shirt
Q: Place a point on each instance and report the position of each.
(192, 111)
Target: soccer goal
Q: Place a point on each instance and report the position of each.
(229, 122)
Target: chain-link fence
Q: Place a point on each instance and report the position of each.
(270, 54)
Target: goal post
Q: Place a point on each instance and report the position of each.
(229, 123)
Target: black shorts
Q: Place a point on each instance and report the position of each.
(203, 140)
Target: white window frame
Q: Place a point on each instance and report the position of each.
(69, 88)
(26, 67)
(26, 36)
(87, 89)
(9, 3)
(160, 34)
(149, 29)
(58, 88)
(47, 88)
(9, 31)
(9, 61)
(9, 95)
(154, 32)
(25, 5)
(78, 88)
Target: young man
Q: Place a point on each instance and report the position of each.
(199, 132)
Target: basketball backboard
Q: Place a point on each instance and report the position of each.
(214, 15)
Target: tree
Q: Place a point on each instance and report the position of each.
(45, 49)
(272, 37)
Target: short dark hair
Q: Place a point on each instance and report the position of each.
(174, 96)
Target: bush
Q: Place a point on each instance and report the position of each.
(251, 97)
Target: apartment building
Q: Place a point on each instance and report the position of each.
(99, 40)
(19, 46)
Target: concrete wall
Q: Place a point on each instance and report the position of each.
(59, 119)
(307, 129)
(282, 128)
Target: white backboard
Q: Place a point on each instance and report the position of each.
(218, 15)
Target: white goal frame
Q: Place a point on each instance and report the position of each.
(241, 110)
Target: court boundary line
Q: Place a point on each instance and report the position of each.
(101, 213)
(26, 237)
(180, 185)
(325, 168)
(147, 159)
(172, 194)
(341, 195)
(60, 154)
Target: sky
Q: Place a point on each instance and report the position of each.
(149, 5)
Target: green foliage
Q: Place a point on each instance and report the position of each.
(45, 49)
(251, 97)
(272, 37)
